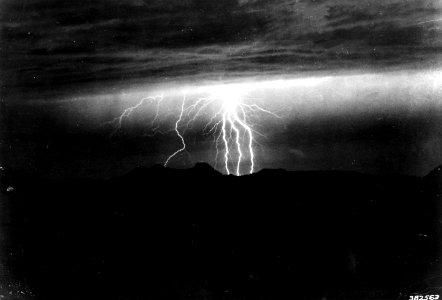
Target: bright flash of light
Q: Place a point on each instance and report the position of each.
(230, 117)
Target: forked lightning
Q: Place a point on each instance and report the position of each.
(230, 117)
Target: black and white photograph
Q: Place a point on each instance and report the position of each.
(220, 149)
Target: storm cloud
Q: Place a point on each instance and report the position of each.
(47, 43)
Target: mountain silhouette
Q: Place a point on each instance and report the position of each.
(162, 233)
(435, 175)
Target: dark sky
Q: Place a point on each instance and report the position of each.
(52, 49)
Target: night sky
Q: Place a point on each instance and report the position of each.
(357, 84)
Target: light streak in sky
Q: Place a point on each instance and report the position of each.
(229, 115)
(183, 143)
(430, 21)
(118, 121)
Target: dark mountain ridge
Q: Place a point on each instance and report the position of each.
(160, 233)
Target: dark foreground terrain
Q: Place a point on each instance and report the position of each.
(194, 234)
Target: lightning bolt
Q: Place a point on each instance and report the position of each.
(118, 121)
(229, 124)
(183, 143)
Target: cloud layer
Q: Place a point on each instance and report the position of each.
(47, 43)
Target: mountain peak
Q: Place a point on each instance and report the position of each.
(436, 173)
(203, 167)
